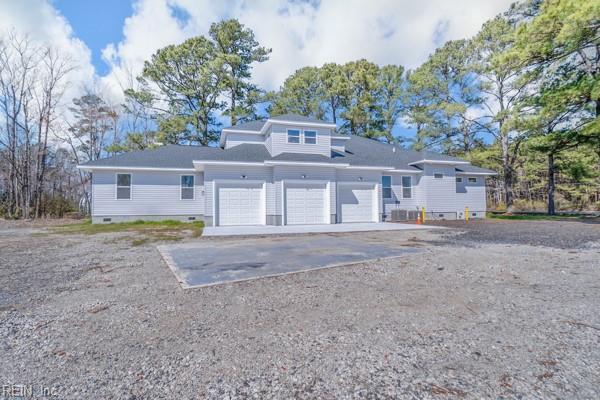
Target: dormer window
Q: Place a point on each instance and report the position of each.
(293, 136)
(310, 137)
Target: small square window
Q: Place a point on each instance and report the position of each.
(123, 186)
(187, 187)
(472, 180)
(310, 137)
(293, 136)
(458, 179)
(386, 186)
(438, 176)
(406, 187)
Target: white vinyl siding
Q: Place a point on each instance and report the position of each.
(279, 141)
(235, 139)
(472, 195)
(439, 185)
(152, 193)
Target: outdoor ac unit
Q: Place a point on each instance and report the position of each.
(399, 215)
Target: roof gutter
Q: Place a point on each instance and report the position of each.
(477, 173)
(425, 161)
(108, 167)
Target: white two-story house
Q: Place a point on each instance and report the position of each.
(284, 170)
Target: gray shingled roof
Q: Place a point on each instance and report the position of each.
(468, 168)
(252, 126)
(359, 152)
(298, 118)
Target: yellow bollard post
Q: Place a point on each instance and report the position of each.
(467, 214)
(423, 214)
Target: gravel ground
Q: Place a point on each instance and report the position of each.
(476, 315)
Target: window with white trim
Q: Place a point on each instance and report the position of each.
(407, 187)
(310, 137)
(472, 180)
(458, 179)
(123, 186)
(386, 186)
(293, 136)
(438, 175)
(187, 187)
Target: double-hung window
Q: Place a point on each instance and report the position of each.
(407, 187)
(123, 186)
(386, 186)
(310, 137)
(293, 136)
(187, 187)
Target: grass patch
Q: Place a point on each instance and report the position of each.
(147, 231)
(532, 217)
(87, 228)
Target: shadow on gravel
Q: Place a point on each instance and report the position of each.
(563, 234)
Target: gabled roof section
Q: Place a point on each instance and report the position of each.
(250, 126)
(360, 152)
(473, 170)
(298, 118)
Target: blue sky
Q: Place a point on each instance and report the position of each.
(97, 23)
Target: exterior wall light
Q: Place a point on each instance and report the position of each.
(360, 178)
(303, 176)
(243, 176)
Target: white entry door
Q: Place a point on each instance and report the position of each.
(357, 203)
(305, 204)
(240, 205)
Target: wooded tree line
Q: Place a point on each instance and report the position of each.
(521, 97)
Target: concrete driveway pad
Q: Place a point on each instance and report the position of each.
(221, 261)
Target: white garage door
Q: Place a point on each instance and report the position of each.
(356, 203)
(305, 204)
(240, 205)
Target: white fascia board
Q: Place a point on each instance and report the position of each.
(407, 171)
(340, 137)
(477, 173)
(308, 124)
(438, 162)
(104, 167)
(309, 164)
(232, 163)
(224, 133)
(371, 168)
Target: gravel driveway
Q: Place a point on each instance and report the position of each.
(96, 318)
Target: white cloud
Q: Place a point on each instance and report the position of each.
(43, 24)
(300, 33)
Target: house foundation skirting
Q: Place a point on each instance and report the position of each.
(107, 219)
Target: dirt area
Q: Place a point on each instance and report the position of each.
(492, 309)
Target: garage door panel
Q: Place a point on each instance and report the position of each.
(305, 204)
(356, 203)
(240, 205)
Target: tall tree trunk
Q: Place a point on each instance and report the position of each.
(233, 115)
(507, 172)
(551, 183)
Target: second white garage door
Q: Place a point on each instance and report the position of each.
(240, 205)
(305, 204)
(356, 203)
